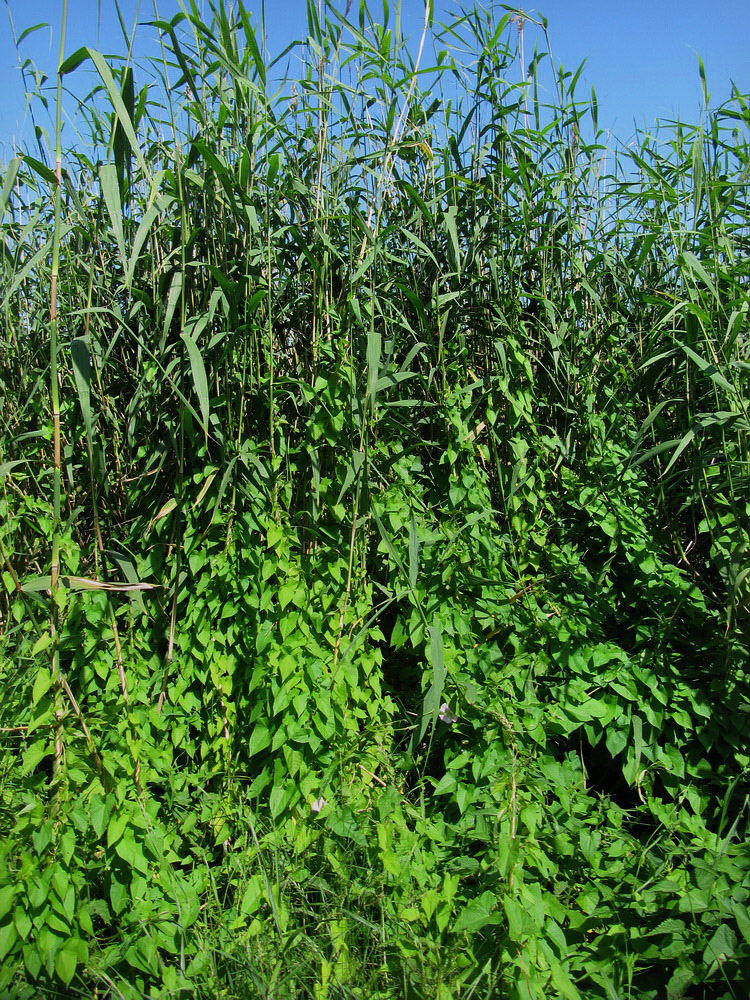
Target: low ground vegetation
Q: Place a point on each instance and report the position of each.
(374, 529)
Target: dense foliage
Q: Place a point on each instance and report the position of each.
(374, 529)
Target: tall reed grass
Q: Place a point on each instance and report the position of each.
(375, 481)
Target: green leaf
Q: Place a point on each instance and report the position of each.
(43, 643)
(9, 180)
(200, 381)
(5, 468)
(84, 920)
(352, 470)
(449, 220)
(140, 237)
(8, 938)
(7, 895)
(413, 553)
(434, 696)
(519, 921)
(286, 593)
(260, 738)
(120, 110)
(99, 811)
(74, 61)
(279, 799)
(66, 960)
(111, 193)
(82, 374)
(478, 913)
(637, 724)
(721, 946)
(742, 916)
(564, 983)
(273, 168)
(252, 44)
(392, 864)
(253, 896)
(116, 828)
(34, 754)
(374, 346)
(681, 446)
(694, 265)
(416, 197)
(119, 143)
(708, 368)
(131, 852)
(40, 168)
(32, 960)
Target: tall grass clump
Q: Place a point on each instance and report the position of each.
(374, 510)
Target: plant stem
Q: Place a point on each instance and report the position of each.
(55, 402)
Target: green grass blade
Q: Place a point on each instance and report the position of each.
(200, 380)
(118, 104)
(82, 375)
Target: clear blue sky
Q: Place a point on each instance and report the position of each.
(642, 57)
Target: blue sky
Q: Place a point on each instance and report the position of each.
(642, 57)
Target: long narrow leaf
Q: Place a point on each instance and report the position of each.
(200, 380)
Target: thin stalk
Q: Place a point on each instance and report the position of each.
(55, 402)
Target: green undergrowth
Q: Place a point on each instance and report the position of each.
(399, 642)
